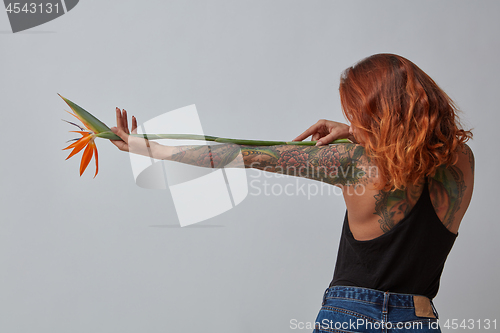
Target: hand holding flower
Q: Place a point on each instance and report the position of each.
(134, 144)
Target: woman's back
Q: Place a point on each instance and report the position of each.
(373, 212)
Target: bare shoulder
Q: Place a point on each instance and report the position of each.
(451, 189)
(467, 158)
(377, 211)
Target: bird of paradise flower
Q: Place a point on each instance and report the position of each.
(94, 128)
(87, 142)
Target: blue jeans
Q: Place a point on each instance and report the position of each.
(354, 309)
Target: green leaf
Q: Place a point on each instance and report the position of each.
(89, 120)
(108, 135)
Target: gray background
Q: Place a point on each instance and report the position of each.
(103, 255)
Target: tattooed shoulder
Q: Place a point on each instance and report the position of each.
(468, 152)
(447, 191)
(393, 206)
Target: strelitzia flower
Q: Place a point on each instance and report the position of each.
(94, 128)
(87, 142)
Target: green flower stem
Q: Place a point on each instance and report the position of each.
(112, 136)
(101, 130)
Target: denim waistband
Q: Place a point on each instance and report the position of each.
(389, 299)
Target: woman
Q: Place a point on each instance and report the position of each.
(407, 181)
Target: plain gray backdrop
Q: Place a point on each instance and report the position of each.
(79, 254)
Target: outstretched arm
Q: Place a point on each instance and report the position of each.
(339, 164)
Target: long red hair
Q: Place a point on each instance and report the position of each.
(409, 125)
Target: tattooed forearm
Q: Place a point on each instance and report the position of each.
(333, 164)
(215, 156)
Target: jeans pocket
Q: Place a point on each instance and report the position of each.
(424, 307)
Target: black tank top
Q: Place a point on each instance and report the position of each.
(408, 259)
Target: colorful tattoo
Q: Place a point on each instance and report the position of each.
(340, 164)
(448, 191)
(393, 206)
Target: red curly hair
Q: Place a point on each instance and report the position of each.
(409, 125)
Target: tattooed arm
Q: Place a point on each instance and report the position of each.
(340, 164)
(451, 189)
(337, 164)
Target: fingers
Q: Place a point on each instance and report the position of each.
(119, 121)
(304, 135)
(125, 121)
(309, 131)
(317, 130)
(325, 131)
(134, 125)
(122, 130)
(122, 121)
(326, 139)
(121, 133)
(330, 137)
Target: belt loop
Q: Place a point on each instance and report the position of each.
(324, 296)
(385, 306)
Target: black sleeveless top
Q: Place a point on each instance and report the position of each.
(408, 259)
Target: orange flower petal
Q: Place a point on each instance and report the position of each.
(96, 158)
(76, 142)
(81, 132)
(79, 145)
(87, 156)
(72, 145)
